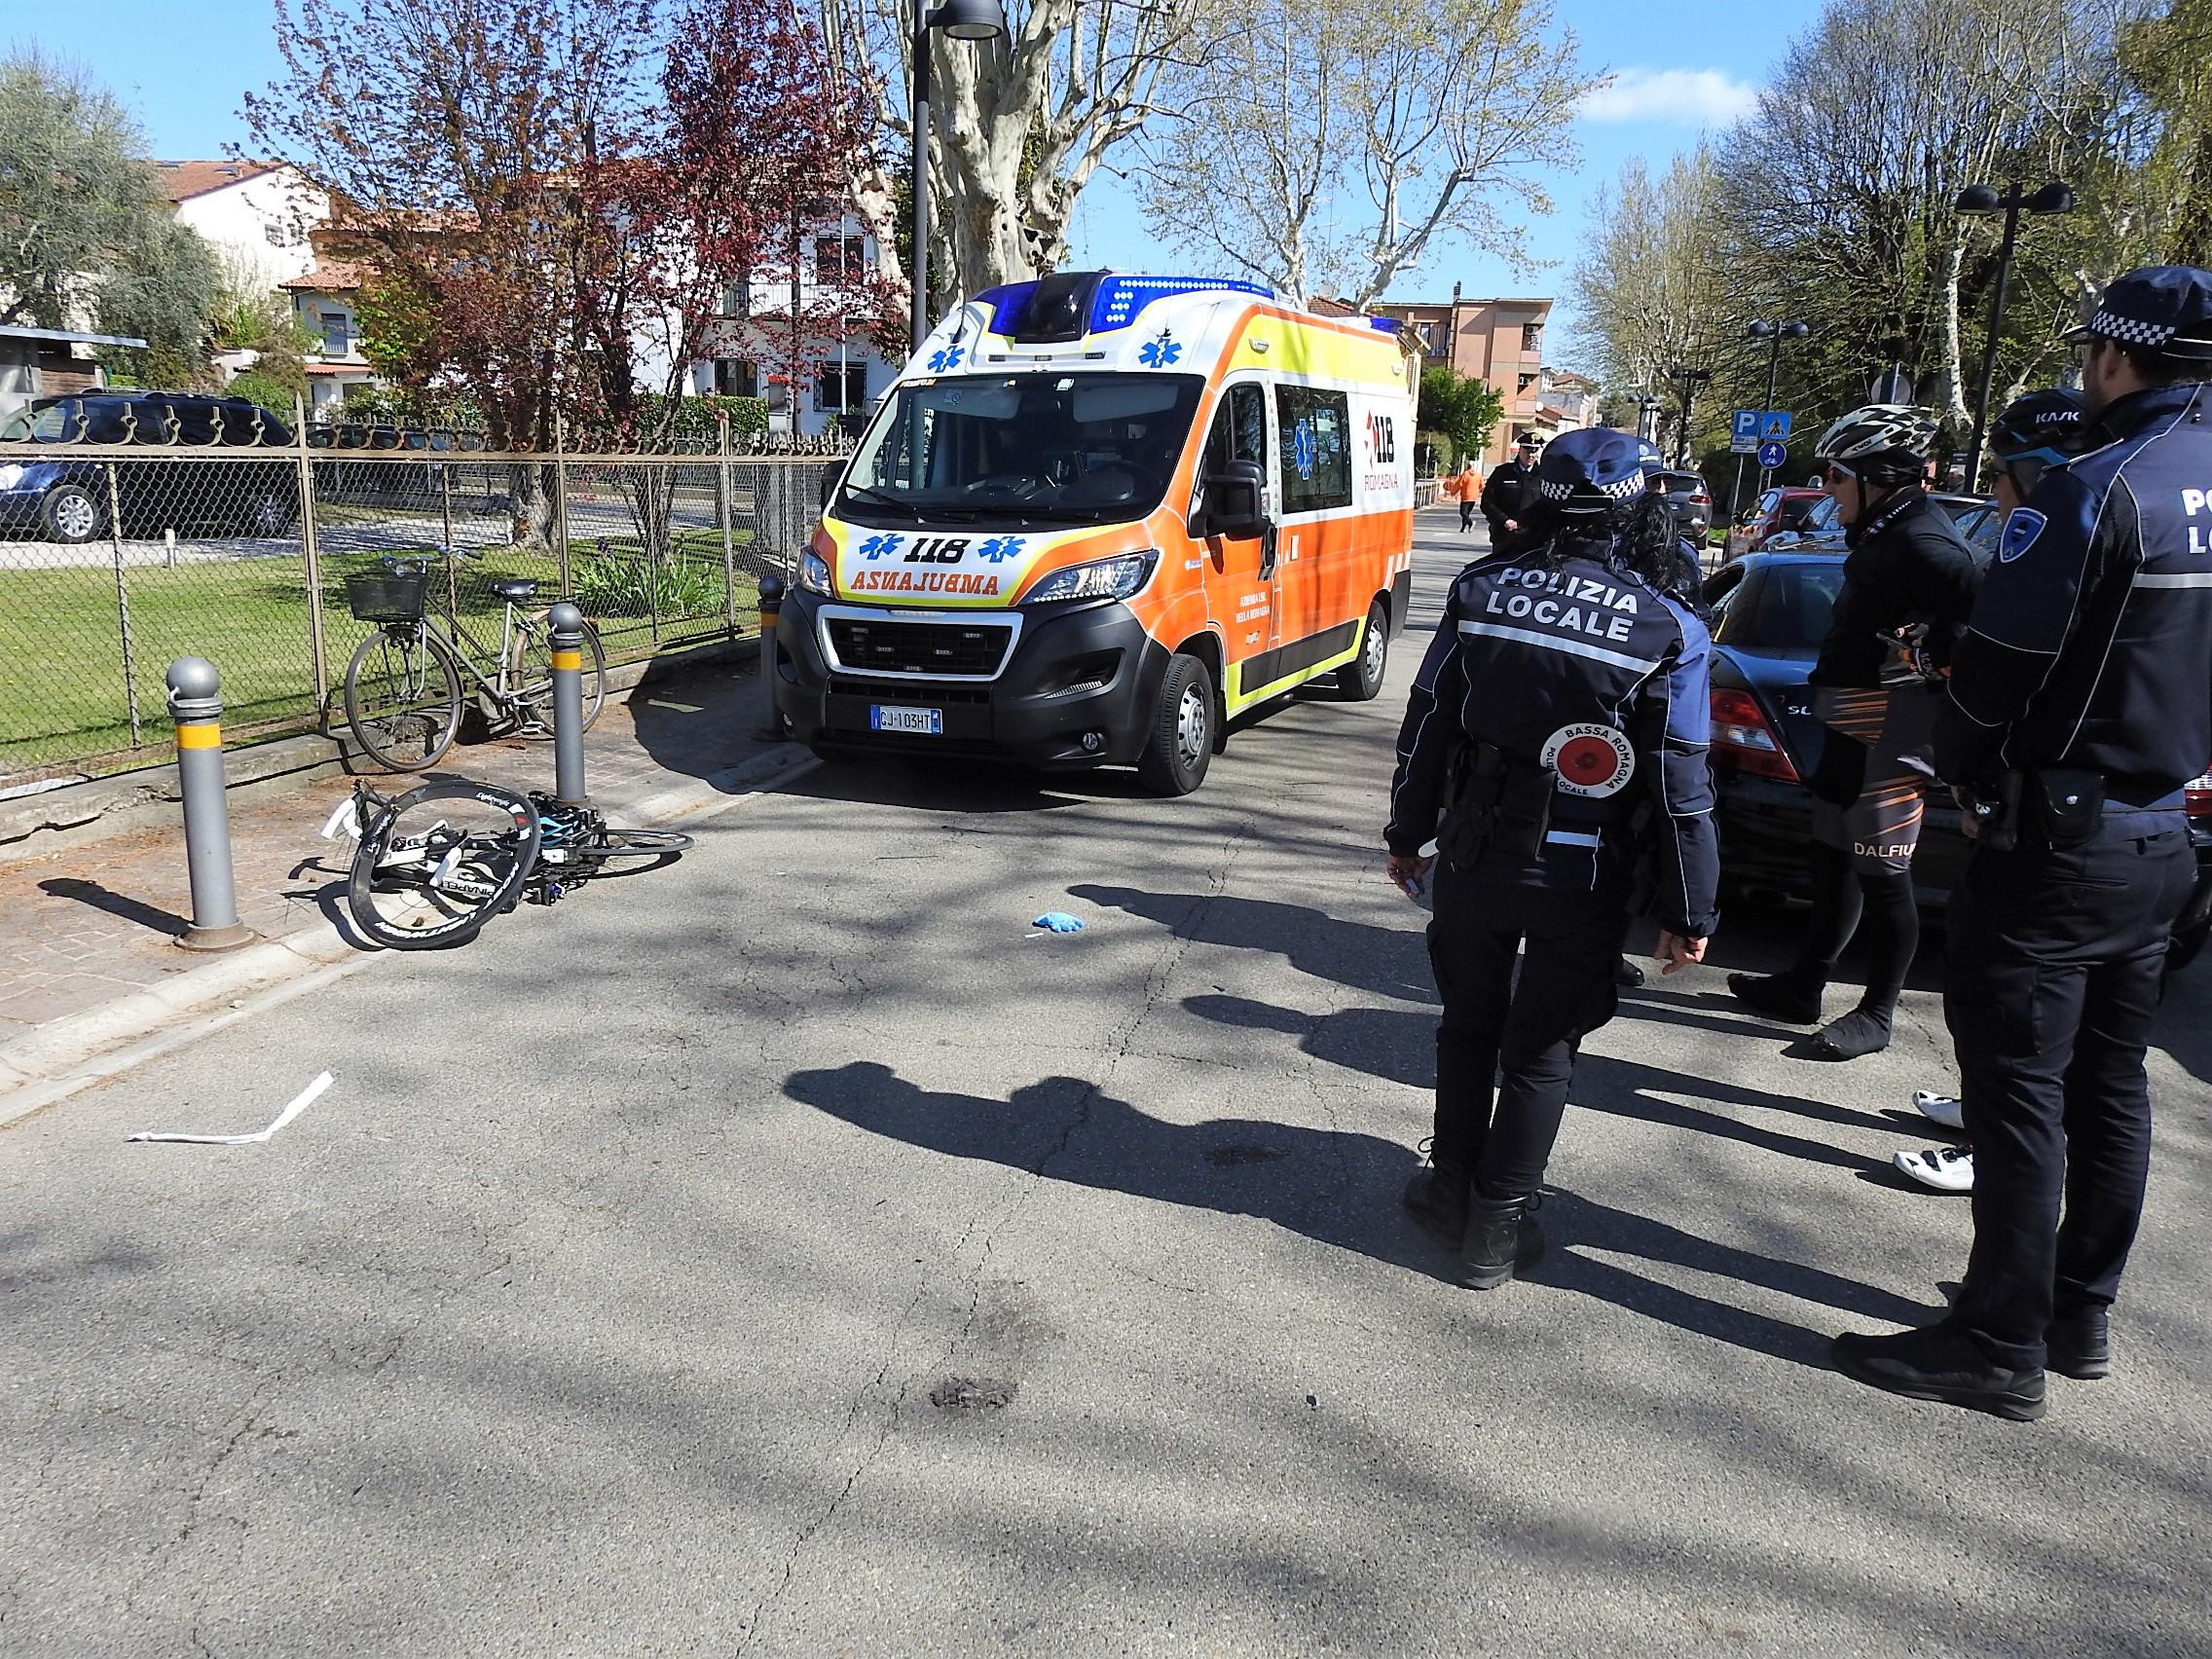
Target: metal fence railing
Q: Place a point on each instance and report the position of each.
(114, 560)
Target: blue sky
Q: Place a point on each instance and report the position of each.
(183, 69)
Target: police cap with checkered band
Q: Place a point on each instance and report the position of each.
(1590, 469)
(2162, 311)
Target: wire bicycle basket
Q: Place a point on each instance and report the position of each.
(388, 596)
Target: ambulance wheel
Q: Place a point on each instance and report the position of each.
(1360, 680)
(1175, 755)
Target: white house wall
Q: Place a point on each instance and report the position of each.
(241, 220)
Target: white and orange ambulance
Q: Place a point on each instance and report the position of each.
(1097, 516)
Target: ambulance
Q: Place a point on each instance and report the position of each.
(1098, 516)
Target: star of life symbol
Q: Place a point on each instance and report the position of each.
(1591, 760)
(877, 547)
(947, 358)
(1160, 354)
(1000, 548)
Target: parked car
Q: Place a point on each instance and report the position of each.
(1776, 510)
(1772, 611)
(1822, 531)
(1692, 503)
(1976, 517)
(69, 498)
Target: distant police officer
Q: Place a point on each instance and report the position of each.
(1559, 718)
(1509, 496)
(2081, 701)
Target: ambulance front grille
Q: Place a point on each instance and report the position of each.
(870, 646)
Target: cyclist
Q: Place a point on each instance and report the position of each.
(2035, 433)
(1908, 583)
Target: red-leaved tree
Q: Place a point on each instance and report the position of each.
(556, 194)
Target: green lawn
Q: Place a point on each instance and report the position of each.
(62, 697)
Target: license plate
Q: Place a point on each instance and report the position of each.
(922, 723)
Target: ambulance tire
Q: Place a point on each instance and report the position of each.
(1360, 680)
(1183, 722)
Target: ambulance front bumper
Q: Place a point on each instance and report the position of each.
(1048, 686)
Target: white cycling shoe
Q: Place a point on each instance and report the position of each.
(1942, 1109)
(1946, 1168)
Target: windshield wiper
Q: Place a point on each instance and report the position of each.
(864, 493)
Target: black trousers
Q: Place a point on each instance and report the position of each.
(1467, 514)
(1485, 915)
(2055, 963)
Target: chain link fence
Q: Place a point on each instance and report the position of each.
(116, 559)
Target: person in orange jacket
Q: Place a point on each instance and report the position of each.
(1465, 487)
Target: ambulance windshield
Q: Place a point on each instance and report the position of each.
(1036, 448)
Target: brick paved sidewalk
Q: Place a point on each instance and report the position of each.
(83, 927)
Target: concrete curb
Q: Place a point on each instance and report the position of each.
(72, 1054)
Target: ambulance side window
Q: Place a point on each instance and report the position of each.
(1239, 429)
(1314, 430)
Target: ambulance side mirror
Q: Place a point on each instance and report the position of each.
(830, 477)
(1234, 504)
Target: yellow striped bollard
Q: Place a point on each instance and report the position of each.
(569, 704)
(196, 703)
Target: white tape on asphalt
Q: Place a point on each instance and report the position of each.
(299, 1104)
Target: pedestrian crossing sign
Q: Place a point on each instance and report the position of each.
(1774, 426)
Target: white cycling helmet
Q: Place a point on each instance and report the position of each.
(1895, 438)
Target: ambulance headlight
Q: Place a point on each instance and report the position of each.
(1118, 577)
(814, 574)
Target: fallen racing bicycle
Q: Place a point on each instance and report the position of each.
(436, 863)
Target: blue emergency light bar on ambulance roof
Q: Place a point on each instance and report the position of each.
(1076, 303)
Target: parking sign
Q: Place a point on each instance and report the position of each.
(1743, 432)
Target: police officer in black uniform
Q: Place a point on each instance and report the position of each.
(1556, 728)
(1509, 496)
(2080, 702)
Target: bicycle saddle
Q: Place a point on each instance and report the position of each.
(516, 588)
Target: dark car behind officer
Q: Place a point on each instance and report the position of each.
(1509, 496)
(2080, 703)
(1557, 727)
(1908, 568)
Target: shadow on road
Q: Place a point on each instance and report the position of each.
(1390, 962)
(1336, 1188)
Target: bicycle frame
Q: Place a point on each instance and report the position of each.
(461, 642)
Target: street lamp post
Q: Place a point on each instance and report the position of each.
(1647, 410)
(1690, 380)
(1773, 331)
(1976, 201)
(960, 19)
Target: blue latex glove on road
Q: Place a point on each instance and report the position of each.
(1057, 921)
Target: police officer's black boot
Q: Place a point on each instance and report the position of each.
(1436, 1196)
(1503, 1239)
(2079, 1345)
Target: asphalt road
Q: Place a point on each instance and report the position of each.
(793, 1253)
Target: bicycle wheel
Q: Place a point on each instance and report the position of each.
(530, 672)
(442, 861)
(625, 852)
(403, 698)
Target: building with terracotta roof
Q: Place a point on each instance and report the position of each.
(257, 216)
(1500, 341)
(326, 300)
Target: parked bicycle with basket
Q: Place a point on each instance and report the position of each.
(438, 862)
(405, 685)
